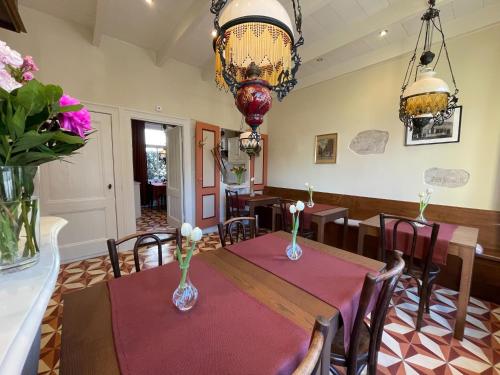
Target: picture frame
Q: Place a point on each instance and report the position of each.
(448, 132)
(325, 149)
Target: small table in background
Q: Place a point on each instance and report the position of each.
(321, 218)
(259, 200)
(159, 193)
(462, 244)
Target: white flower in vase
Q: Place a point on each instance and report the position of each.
(424, 199)
(293, 250)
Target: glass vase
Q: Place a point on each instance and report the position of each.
(186, 294)
(293, 250)
(310, 202)
(19, 218)
(421, 218)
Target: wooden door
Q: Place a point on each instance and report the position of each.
(175, 213)
(258, 165)
(207, 175)
(82, 191)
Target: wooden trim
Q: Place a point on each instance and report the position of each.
(362, 208)
(201, 190)
(10, 18)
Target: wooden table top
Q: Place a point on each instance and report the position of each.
(87, 337)
(463, 236)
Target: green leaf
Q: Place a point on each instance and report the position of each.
(53, 93)
(70, 108)
(31, 97)
(63, 137)
(31, 139)
(16, 123)
(34, 122)
(31, 158)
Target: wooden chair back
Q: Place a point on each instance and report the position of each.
(141, 239)
(383, 284)
(410, 257)
(310, 363)
(286, 216)
(237, 229)
(232, 204)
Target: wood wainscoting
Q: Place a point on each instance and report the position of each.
(485, 282)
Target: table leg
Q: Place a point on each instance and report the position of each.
(327, 348)
(346, 228)
(273, 220)
(321, 230)
(467, 256)
(251, 209)
(361, 238)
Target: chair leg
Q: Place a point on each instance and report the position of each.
(421, 307)
(428, 299)
(372, 362)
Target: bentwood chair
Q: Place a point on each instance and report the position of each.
(310, 363)
(237, 229)
(365, 339)
(142, 239)
(423, 271)
(233, 205)
(286, 219)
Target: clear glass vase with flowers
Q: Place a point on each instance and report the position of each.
(293, 250)
(424, 199)
(38, 124)
(310, 192)
(186, 294)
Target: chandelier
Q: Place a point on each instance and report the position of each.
(428, 99)
(255, 55)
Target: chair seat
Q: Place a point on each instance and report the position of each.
(418, 271)
(338, 356)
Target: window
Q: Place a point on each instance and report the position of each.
(155, 153)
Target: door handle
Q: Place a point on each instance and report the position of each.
(110, 186)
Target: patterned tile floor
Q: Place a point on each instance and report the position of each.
(404, 351)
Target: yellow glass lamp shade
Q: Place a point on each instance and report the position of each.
(427, 95)
(258, 31)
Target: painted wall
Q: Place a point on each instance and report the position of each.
(369, 99)
(117, 73)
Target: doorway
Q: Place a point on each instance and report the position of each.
(157, 172)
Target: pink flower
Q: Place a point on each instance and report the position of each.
(77, 122)
(29, 64)
(10, 57)
(7, 82)
(28, 76)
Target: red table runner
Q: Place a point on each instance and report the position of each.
(226, 332)
(405, 236)
(331, 279)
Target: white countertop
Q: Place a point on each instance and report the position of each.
(24, 296)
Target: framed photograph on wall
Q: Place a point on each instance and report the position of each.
(325, 149)
(448, 132)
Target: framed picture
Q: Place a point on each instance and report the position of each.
(325, 149)
(448, 132)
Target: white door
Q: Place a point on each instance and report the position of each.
(82, 190)
(175, 211)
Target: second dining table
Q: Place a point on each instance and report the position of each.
(289, 298)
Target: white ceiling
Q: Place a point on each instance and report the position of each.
(343, 34)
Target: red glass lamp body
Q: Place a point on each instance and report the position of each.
(254, 100)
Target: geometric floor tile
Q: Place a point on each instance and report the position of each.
(403, 350)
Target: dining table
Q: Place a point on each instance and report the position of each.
(320, 214)
(462, 243)
(257, 200)
(90, 347)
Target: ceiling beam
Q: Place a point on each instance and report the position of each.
(397, 12)
(192, 16)
(482, 18)
(101, 15)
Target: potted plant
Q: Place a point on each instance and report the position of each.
(38, 124)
